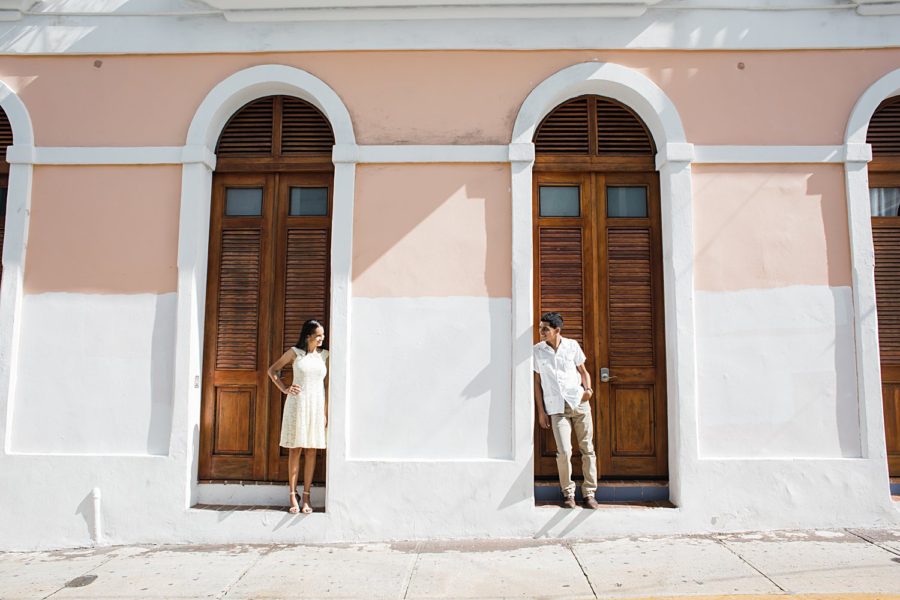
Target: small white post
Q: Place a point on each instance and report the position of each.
(96, 529)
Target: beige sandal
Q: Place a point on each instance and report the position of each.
(307, 508)
(294, 509)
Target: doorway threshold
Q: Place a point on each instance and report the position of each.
(228, 508)
(612, 491)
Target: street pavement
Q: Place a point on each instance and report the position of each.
(824, 564)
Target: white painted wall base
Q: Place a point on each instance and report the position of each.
(466, 494)
(368, 501)
(432, 379)
(776, 373)
(95, 374)
(239, 494)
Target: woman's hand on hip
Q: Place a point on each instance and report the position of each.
(294, 390)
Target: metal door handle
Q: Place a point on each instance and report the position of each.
(605, 377)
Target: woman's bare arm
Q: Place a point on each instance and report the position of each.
(275, 370)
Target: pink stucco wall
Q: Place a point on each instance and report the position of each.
(768, 226)
(779, 97)
(103, 230)
(432, 230)
(441, 230)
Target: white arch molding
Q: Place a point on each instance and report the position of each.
(862, 257)
(673, 162)
(193, 243)
(18, 208)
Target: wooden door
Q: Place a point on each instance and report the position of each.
(268, 273)
(301, 289)
(885, 193)
(632, 415)
(235, 411)
(598, 262)
(4, 189)
(563, 271)
(884, 183)
(6, 139)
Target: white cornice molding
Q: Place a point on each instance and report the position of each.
(12, 10)
(516, 152)
(877, 7)
(179, 27)
(367, 10)
(716, 154)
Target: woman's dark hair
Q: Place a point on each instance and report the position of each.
(308, 329)
(554, 319)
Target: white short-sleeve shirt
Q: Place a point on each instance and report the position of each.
(560, 380)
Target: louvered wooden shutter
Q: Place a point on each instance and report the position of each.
(884, 129)
(250, 131)
(6, 136)
(630, 297)
(305, 130)
(593, 126)
(6, 139)
(562, 277)
(276, 126)
(620, 132)
(237, 327)
(565, 130)
(887, 291)
(306, 280)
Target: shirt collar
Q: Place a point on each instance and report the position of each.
(545, 347)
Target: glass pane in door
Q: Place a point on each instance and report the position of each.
(560, 201)
(885, 202)
(626, 202)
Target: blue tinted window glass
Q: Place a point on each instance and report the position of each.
(243, 202)
(309, 202)
(624, 201)
(885, 202)
(560, 201)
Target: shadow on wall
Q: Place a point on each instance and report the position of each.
(432, 230)
(837, 252)
(162, 368)
(85, 508)
(434, 242)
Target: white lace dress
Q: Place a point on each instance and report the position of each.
(303, 419)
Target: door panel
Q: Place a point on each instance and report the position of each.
(563, 281)
(603, 272)
(302, 293)
(886, 238)
(268, 273)
(237, 329)
(632, 418)
(234, 421)
(629, 260)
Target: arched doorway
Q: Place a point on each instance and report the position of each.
(269, 270)
(884, 198)
(598, 261)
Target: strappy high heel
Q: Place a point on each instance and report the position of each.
(307, 508)
(293, 509)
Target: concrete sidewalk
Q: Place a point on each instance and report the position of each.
(848, 563)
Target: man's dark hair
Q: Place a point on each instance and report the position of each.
(554, 319)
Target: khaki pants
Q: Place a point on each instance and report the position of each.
(580, 420)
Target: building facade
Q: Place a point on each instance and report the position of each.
(708, 192)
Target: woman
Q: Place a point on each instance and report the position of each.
(305, 413)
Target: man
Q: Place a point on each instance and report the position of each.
(562, 393)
